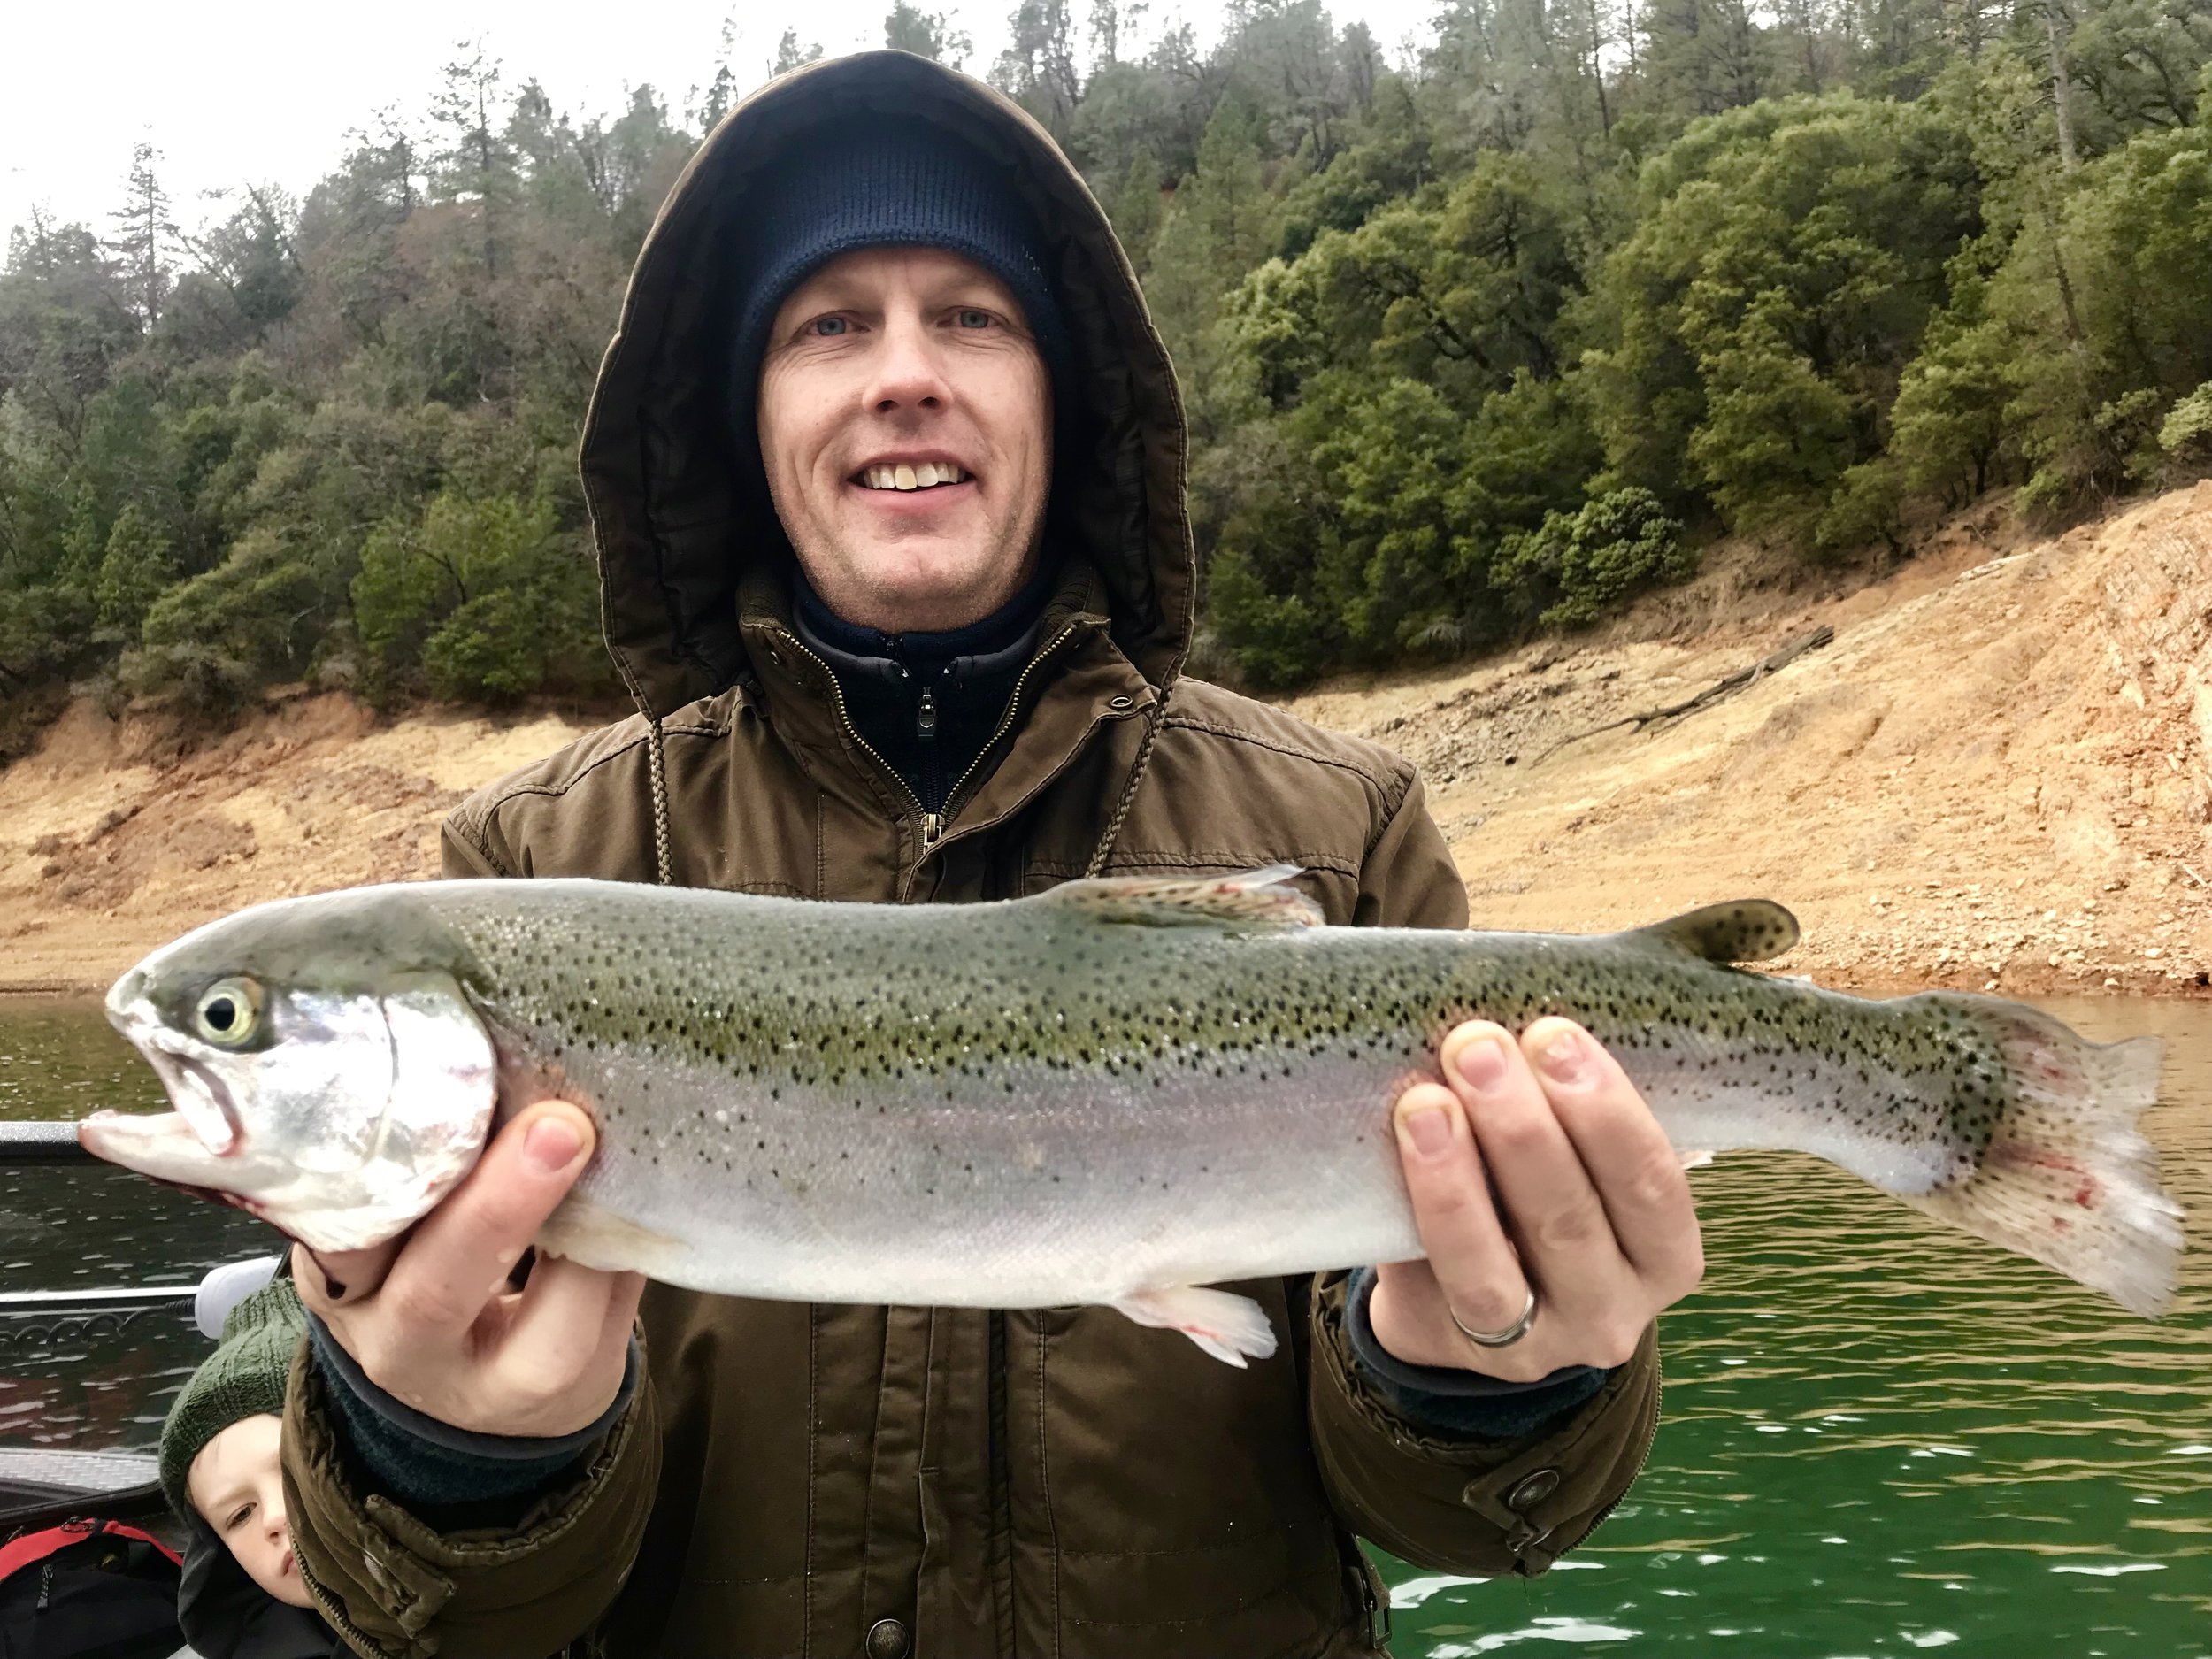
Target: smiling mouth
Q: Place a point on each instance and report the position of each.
(909, 476)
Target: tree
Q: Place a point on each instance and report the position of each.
(1037, 70)
(475, 163)
(792, 53)
(145, 237)
(930, 35)
(1749, 335)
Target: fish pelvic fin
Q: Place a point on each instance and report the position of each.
(2067, 1177)
(1253, 900)
(1740, 930)
(1224, 1325)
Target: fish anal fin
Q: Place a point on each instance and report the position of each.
(1252, 899)
(1226, 1325)
(1740, 930)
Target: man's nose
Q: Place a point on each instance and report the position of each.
(909, 371)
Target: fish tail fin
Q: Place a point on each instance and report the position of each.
(2067, 1177)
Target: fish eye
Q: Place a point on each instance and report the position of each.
(229, 1010)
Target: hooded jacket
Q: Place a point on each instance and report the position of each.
(953, 1483)
(226, 1614)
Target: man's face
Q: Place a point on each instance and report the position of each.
(234, 1485)
(886, 368)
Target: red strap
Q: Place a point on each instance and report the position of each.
(36, 1547)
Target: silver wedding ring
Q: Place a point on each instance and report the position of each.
(1506, 1338)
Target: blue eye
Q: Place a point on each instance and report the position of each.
(973, 318)
(828, 326)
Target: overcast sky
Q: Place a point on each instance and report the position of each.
(235, 90)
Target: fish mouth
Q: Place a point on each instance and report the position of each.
(202, 1098)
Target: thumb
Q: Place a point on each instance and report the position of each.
(460, 1254)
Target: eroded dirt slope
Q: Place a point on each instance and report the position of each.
(119, 835)
(1996, 773)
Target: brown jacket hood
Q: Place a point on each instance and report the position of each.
(676, 527)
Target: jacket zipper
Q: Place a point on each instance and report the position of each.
(1651, 1436)
(335, 1617)
(925, 734)
(1013, 702)
(933, 823)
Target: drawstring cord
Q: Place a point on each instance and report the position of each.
(656, 765)
(1152, 724)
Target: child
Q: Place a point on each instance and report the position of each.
(242, 1596)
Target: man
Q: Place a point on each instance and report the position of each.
(886, 469)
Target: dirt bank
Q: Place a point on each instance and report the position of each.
(1999, 773)
(1996, 776)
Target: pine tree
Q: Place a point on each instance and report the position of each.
(147, 237)
(476, 162)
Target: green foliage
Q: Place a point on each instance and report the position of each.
(2108, 297)
(135, 569)
(482, 596)
(194, 455)
(1478, 340)
(1752, 330)
(1577, 567)
(2186, 433)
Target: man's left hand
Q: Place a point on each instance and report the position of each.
(1539, 1168)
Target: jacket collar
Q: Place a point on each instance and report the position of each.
(1078, 678)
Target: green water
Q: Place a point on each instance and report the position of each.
(1878, 1436)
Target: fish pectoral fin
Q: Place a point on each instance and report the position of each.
(1226, 1325)
(1252, 899)
(591, 1236)
(1741, 930)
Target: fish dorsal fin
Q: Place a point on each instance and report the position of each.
(1251, 900)
(1741, 930)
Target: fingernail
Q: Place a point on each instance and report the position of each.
(1564, 1059)
(552, 1145)
(1482, 1064)
(1428, 1128)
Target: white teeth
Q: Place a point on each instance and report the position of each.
(918, 476)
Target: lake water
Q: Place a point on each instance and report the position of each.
(1878, 1436)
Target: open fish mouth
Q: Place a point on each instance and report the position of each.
(202, 1100)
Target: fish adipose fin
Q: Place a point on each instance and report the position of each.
(1226, 1325)
(1742, 930)
(1254, 899)
(2067, 1177)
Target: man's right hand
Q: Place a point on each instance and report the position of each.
(433, 1320)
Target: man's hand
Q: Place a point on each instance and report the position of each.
(1566, 1185)
(433, 1320)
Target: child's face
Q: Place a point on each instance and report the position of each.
(234, 1486)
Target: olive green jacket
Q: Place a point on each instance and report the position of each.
(957, 1483)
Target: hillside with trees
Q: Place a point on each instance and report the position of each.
(1476, 344)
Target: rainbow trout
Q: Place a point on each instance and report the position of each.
(1115, 1091)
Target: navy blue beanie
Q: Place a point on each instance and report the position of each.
(896, 183)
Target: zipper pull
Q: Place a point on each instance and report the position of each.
(925, 715)
(933, 827)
